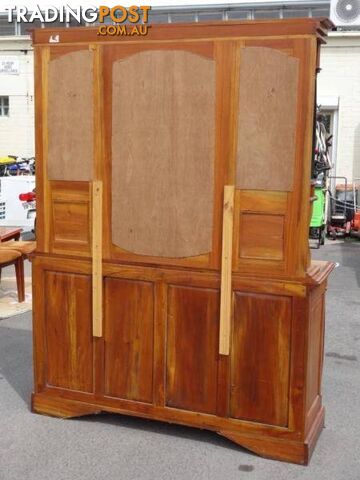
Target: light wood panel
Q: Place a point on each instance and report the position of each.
(129, 338)
(163, 153)
(70, 116)
(260, 359)
(267, 119)
(192, 348)
(226, 270)
(69, 344)
(96, 251)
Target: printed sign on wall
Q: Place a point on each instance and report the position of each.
(9, 65)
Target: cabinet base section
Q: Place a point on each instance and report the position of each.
(281, 449)
(61, 407)
(277, 448)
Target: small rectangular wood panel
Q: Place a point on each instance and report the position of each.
(69, 344)
(172, 277)
(261, 345)
(129, 339)
(192, 346)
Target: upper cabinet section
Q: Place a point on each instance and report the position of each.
(165, 121)
(267, 119)
(162, 150)
(70, 115)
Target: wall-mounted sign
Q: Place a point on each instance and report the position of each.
(9, 65)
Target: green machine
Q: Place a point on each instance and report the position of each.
(317, 224)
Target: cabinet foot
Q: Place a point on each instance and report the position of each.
(281, 448)
(60, 407)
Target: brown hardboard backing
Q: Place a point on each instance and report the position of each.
(267, 119)
(70, 117)
(163, 135)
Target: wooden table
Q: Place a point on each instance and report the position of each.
(7, 233)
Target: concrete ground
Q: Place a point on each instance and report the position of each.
(34, 447)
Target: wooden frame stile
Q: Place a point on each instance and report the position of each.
(41, 60)
(97, 219)
(297, 265)
(43, 223)
(227, 54)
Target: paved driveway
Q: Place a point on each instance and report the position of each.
(109, 447)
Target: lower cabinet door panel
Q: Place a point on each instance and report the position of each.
(129, 339)
(68, 331)
(260, 358)
(192, 348)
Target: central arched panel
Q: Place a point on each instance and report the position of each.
(163, 136)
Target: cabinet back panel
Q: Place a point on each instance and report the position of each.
(129, 339)
(69, 345)
(70, 116)
(267, 119)
(260, 358)
(163, 153)
(192, 348)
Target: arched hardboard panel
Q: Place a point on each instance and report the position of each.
(267, 119)
(163, 135)
(70, 117)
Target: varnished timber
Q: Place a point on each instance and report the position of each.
(97, 283)
(264, 28)
(226, 270)
(196, 309)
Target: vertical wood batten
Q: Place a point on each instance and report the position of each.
(97, 287)
(226, 271)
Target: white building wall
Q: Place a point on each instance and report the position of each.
(17, 130)
(340, 77)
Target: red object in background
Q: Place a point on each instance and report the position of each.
(27, 197)
(356, 222)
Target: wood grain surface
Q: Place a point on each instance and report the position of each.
(68, 331)
(129, 335)
(70, 116)
(96, 251)
(165, 121)
(226, 270)
(163, 153)
(267, 119)
(192, 346)
(261, 236)
(260, 359)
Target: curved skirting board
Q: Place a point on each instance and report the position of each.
(282, 449)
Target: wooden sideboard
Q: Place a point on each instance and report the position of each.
(172, 278)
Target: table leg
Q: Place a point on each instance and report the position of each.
(20, 278)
